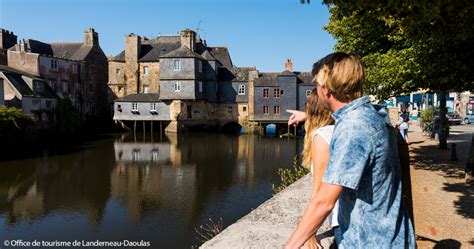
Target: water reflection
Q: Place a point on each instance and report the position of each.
(157, 189)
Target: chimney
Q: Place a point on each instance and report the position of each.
(188, 38)
(289, 65)
(22, 46)
(132, 48)
(91, 38)
(7, 39)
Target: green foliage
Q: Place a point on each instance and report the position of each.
(426, 115)
(68, 119)
(13, 118)
(407, 45)
(289, 176)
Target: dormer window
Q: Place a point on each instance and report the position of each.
(176, 65)
(242, 89)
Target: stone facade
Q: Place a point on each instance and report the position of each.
(27, 92)
(74, 70)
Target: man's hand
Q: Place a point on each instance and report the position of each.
(296, 117)
(312, 243)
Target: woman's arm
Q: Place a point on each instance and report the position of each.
(320, 158)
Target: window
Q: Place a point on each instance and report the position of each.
(54, 64)
(176, 65)
(265, 92)
(242, 89)
(200, 66)
(119, 108)
(229, 109)
(117, 71)
(65, 87)
(36, 102)
(135, 107)
(244, 108)
(308, 92)
(276, 110)
(265, 110)
(145, 89)
(276, 93)
(145, 70)
(74, 68)
(49, 105)
(281, 92)
(153, 107)
(200, 86)
(177, 86)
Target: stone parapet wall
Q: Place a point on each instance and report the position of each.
(272, 223)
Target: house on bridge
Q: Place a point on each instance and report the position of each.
(194, 86)
(274, 93)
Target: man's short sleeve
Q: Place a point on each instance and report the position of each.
(350, 153)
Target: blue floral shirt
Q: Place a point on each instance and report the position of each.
(364, 160)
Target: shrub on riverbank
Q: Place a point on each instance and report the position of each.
(15, 126)
(289, 176)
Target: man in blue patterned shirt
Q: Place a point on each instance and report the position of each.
(363, 170)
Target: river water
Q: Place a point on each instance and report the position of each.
(139, 188)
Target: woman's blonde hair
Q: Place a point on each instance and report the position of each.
(342, 74)
(316, 116)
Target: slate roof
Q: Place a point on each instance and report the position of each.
(182, 52)
(141, 97)
(64, 50)
(222, 55)
(152, 50)
(267, 79)
(18, 83)
(208, 56)
(304, 78)
(38, 47)
(270, 79)
(161, 47)
(15, 77)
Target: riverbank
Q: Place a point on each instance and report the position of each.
(271, 224)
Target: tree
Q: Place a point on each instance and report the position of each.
(68, 120)
(408, 45)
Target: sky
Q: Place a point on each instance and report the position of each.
(260, 33)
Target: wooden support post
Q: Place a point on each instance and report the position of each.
(151, 125)
(134, 127)
(295, 130)
(161, 130)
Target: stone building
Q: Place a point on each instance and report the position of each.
(183, 83)
(74, 70)
(271, 94)
(183, 71)
(27, 92)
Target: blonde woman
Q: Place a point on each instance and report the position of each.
(319, 126)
